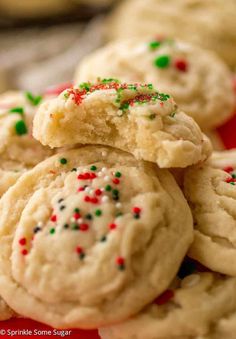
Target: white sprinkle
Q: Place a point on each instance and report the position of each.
(118, 205)
(104, 169)
(99, 174)
(190, 280)
(87, 189)
(80, 221)
(105, 198)
(40, 223)
(72, 219)
(107, 178)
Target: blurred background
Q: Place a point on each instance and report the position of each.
(41, 41)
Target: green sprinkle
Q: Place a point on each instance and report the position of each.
(20, 127)
(119, 214)
(172, 114)
(98, 213)
(19, 110)
(152, 116)
(63, 161)
(74, 169)
(66, 95)
(233, 176)
(121, 267)
(85, 85)
(162, 61)
(115, 192)
(103, 239)
(124, 106)
(136, 216)
(118, 174)
(34, 99)
(89, 216)
(52, 230)
(154, 45)
(108, 188)
(82, 255)
(93, 168)
(107, 81)
(75, 227)
(232, 183)
(150, 86)
(76, 210)
(66, 226)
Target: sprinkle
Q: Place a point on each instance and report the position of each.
(153, 116)
(84, 227)
(103, 238)
(52, 230)
(87, 198)
(63, 161)
(104, 169)
(94, 200)
(164, 297)
(119, 214)
(98, 213)
(80, 252)
(93, 168)
(106, 178)
(98, 192)
(20, 127)
(118, 174)
(153, 45)
(76, 216)
(75, 227)
(116, 181)
(162, 61)
(118, 205)
(181, 65)
(74, 169)
(136, 210)
(80, 189)
(80, 221)
(62, 207)
(108, 188)
(89, 216)
(34, 100)
(24, 252)
(60, 200)
(19, 110)
(53, 218)
(66, 226)
(22, 241)
(120, 261)
(37, 229)
(112, 226)
(76, 210)
(228, 169)
(105, 199)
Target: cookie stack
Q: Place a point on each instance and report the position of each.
(96, 236)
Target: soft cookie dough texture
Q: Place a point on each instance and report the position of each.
(132, 117)
(19, 151)
(210, 24)
(211, 194)
(189, 309)
(68, 258)
(199, 81)
(223, 159)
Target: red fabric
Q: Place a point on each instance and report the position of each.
(228, 135)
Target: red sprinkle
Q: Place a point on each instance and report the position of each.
(94, 200)
(116, 181)
(22, 241)
(84, 227)
(79, 250)
(181, 65)
(77, 216)
(112, 226)
(24, 252)
(53, 218)
(80, 189)
(120, 261)
(228, 180)
(228, 169)
(87, 176)
(164, 297)
(87, 198)
(98, 192)
(136, 210)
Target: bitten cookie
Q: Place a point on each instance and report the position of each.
(132, 117)
(199, 81)
(19, 151)
(210, 24)
(94, 237)
(211, 194)
(188, 309)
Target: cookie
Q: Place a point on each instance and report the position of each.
(211, 194)
(19, 151)
(188, 309)
(216, 140)
(199, 81)
(224, 159)
(209, 24)
(94, 237)
(132, 117)
(5, 311)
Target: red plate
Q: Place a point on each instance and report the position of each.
(228, 135)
